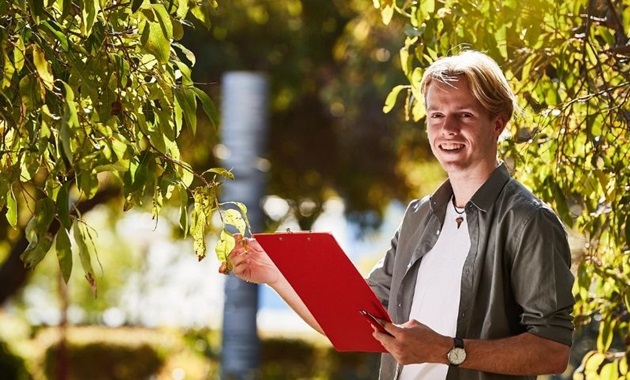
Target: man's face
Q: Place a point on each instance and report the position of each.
(463, 136)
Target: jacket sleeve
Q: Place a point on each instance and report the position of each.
(541, 276)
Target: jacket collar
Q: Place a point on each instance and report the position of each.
(483, 198)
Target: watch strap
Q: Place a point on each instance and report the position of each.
(459, 342)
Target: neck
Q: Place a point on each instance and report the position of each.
(466, 183)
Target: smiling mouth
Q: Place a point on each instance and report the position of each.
(451, 147)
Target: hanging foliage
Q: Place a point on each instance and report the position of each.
(93, 96)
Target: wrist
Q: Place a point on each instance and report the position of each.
(457, 354)
(445, 344)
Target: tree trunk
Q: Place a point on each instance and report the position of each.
(244, 130)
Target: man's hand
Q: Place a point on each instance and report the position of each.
(523, 354)
(251, 263)
(413, 342)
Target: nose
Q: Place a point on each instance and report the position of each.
(450, 126)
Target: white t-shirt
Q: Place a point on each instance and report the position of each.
(437, 293)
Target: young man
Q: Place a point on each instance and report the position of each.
(477, 279)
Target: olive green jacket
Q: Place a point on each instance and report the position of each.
(516, 277)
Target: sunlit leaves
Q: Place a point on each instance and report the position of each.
(222, 249)
(93, 97)
(390, 101)
(234, 222)
(85, 243)
(186, 100)
(157, 32)
(89, 12)
(11, 204)
(43, 67)
(205, 204)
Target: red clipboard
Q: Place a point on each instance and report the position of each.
(329, 284)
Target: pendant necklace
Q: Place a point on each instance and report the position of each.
(459, 219)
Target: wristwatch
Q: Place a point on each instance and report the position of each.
(457, 354)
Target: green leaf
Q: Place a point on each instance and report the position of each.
(428, 6)
(184, 73)
(184, 220)
(208, 106)
(186, 98)
(64, 253)
(220, 171)
(40, 240)
(185, 173)
(390, 101)
(89, 11)
(63, 206)
(202, 12)
(135, 5)
(204, 198)
(87, 182)
(198, 231)
(12, 214)
(44, 215)
(138, 174)
(628, 237)
(69, 121)
(387, 12)
(606, 333)
(56, 30)
(66, 7)
(18, 53)
(155, 40)
(241, 206)
(36, 251)
(37, 8)
(224, 246)
(592, 362)
(234, 218)
(164, 20)
(82, 238)
(190, 56)
(29, 92)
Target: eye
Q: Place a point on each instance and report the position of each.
(436, 115)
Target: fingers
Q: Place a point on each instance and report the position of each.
(411, 323)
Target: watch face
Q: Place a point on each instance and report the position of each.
(456, 356)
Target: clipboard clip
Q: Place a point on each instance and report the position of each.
(375, 322)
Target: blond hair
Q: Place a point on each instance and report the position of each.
(487, 81)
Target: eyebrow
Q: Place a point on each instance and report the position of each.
(462, 108)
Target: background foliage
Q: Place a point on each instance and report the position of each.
(331, 65)
(569, 63)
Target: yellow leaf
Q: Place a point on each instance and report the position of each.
(82, 237)
(390, 101)
(387, 13)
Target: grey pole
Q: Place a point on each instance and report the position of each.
(243, 133)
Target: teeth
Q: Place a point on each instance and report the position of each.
(451, 146)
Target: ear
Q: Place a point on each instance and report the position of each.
(499, 125)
